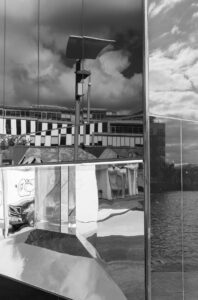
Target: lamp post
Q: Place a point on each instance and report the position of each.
(79, 48)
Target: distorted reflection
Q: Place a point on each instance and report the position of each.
(87, 224)
(120, 232)
(75, 277)
(38, 84)
(173, 88)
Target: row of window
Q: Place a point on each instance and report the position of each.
(34, 114)
(126, 128)
(46, 115)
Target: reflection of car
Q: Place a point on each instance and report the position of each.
(21, 213)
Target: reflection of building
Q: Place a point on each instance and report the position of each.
(53, 126)
(157, 140)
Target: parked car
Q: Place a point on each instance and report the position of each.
(21, 213)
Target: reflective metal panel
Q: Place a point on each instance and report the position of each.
(112, 93)
(87, 235)
(190, 222)
(173, 58)
(66, 275)
(166, 209)
(94, 104)
(110, 221)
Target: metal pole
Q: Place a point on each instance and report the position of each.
(5, 205)
(77, 111)
(88, 100)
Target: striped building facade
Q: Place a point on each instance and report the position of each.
(42, 133)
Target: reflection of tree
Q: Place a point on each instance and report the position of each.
(167, 176)
(164, 175)
(190, 177)
(9, 141)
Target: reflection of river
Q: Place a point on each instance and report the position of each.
(167, 231)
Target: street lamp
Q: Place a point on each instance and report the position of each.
(79, 48)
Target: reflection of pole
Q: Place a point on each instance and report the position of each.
(88, 99)
(5, 205)
(77, 111)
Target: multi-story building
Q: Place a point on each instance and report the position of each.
(53, 126)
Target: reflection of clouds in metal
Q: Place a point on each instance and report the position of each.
(173, 59)
(58, 20)
(163, 6)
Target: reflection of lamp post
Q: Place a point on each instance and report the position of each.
(79, 48)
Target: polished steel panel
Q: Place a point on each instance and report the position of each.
(66, 275)
(110, 221)
(89, 217)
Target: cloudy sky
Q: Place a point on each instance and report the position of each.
(116, 74)
(173, 63)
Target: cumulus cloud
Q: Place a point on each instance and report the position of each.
(110, 87)
(173, 61)
(195, 15)
(175, 30)
(156, 7)
(116, 75)
(173, 81)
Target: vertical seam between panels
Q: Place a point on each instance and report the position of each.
(83, 52)
(38, 62)
(4, 63)
(182, 209)
(147, 223)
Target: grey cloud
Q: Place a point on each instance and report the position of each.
(121, 20)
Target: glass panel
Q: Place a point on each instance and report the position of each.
(166, 209)
(173, 58)
(190, 225)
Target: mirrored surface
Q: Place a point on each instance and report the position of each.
(110, 221)
(189, 174)
(73, 80)
(166, 209)
(173, 55)
(84, 220)
(116, 74)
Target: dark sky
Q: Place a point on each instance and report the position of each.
(116, 74)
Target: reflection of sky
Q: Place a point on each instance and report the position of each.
(116, 76)
(173, 63)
